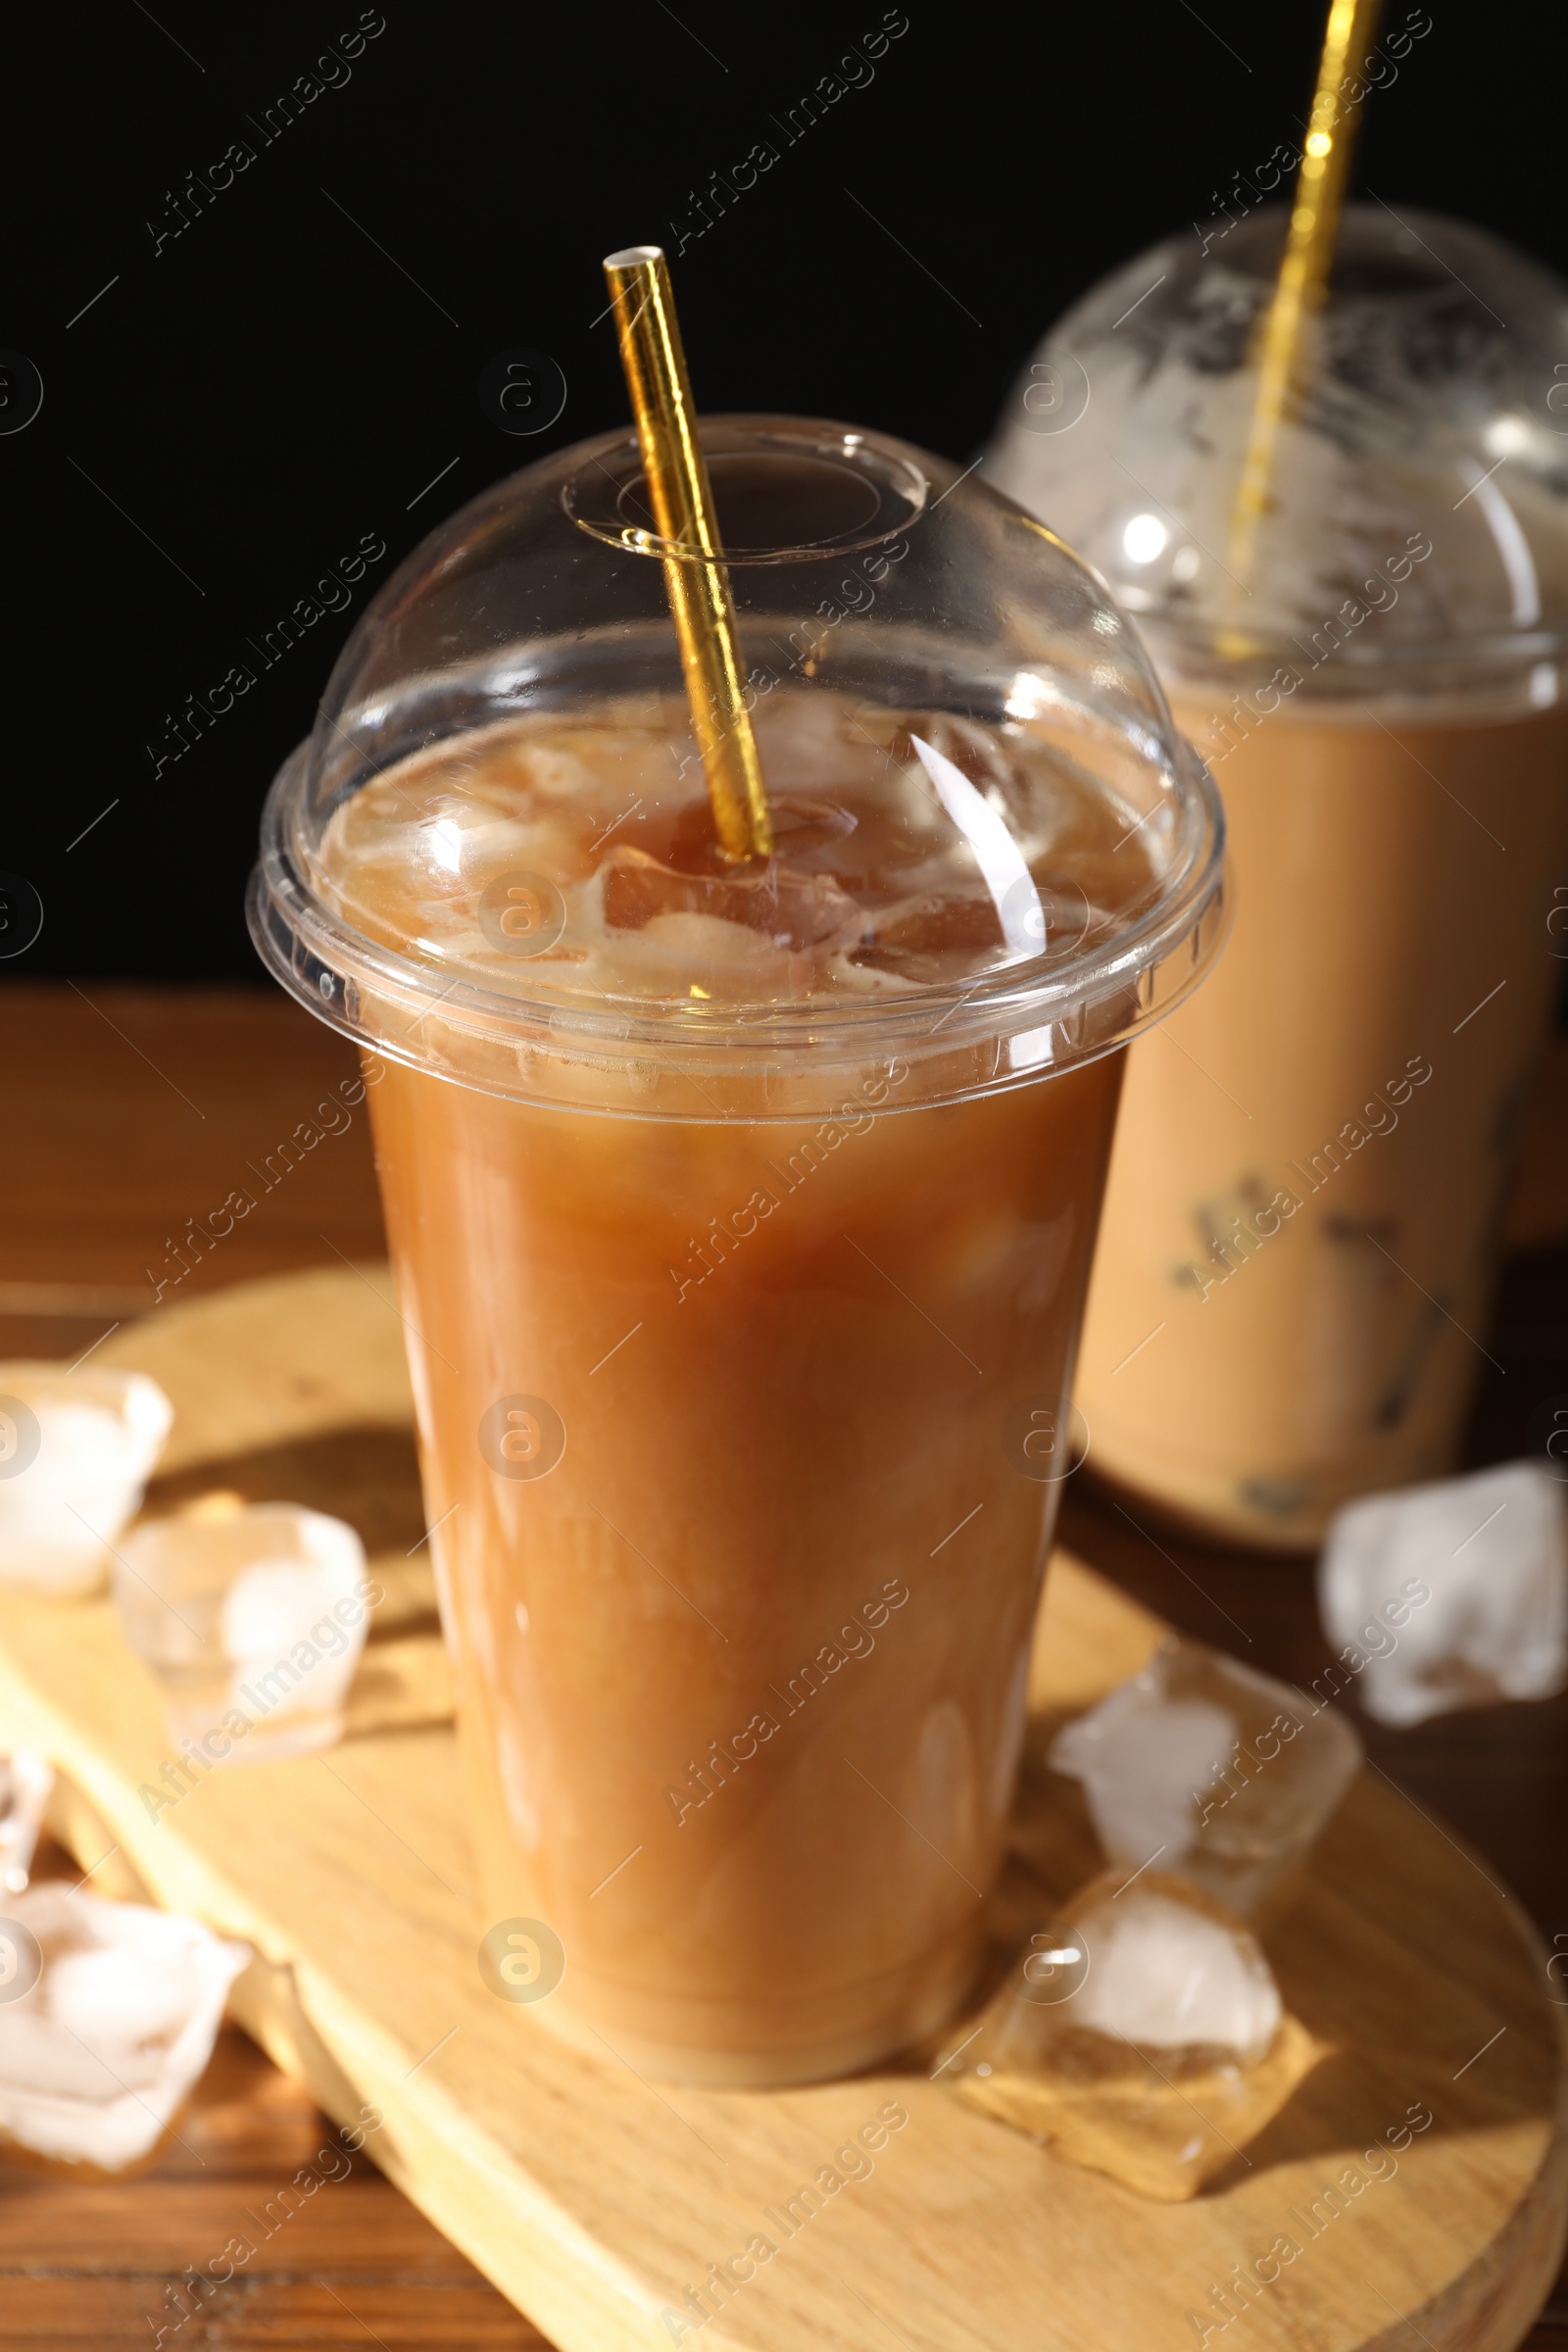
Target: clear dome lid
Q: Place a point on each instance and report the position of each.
(495, 854)
(1422, 479)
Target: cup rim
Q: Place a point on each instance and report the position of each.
(1090, 1003)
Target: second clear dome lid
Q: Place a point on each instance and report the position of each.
(1424, 476)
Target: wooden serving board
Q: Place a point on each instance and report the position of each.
(595, 2199)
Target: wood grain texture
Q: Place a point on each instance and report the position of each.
(132, 1113)
(595, 2200)
(93, 2264)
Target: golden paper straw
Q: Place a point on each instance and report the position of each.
(1305, 269)
(683, 510)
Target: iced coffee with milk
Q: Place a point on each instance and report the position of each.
(1296, 1266)
(742, 1213)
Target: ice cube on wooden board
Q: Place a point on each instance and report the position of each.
(1452, 1595)
(1200, 1764)
(108, 2016)
(1142, 2035)
(251, 1621)
(77, 1448)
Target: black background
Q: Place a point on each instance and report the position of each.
(230, 416)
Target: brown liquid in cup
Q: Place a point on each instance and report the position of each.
(1292, 1291)
(742, 1437)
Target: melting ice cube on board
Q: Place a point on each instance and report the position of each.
(77, 1448)
(251, 1621)
(1141, 2035)
(108, 2015)
(1200, 1765)
(1453, 1594)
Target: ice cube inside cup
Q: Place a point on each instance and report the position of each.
(76, 1449)
(1452, 1595)
(108, 2015)
(251, 1621)
(1143, 2035)
(1200, 1765)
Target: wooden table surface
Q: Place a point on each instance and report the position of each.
(132, 1111)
